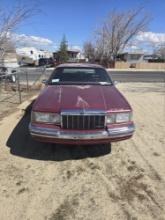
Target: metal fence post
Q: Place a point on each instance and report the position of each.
(0, 84)
(5, 83)
(27, 81)
(19, 89)
(44, 71)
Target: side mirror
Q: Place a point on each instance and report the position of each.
(115, 82)
(44, 81)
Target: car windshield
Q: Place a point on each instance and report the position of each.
(79, 75)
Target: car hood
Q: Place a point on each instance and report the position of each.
(92, 97)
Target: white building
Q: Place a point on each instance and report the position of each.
(31, 55)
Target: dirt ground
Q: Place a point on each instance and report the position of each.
(47, 182)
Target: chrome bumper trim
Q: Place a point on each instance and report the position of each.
(57, 134)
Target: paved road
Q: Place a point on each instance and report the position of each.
(122, 76)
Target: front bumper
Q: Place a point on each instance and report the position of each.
(61, 136)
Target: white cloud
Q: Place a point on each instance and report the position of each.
(29, 40)
(146, 42)
(151, 38)
(134, 47)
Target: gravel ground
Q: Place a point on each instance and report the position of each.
(43, 181)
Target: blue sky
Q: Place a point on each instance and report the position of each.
(78, 19)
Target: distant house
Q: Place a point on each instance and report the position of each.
(74, 55)
(131, 57)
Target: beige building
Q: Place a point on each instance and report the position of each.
(8, 57)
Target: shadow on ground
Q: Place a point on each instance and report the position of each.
(21, 144)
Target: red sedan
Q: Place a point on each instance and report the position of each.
(81, 105)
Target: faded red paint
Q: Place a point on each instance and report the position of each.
(55, 98)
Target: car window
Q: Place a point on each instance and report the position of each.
(79, 75)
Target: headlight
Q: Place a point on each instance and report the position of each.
(51, 118)
(123, 117)
(119, 117)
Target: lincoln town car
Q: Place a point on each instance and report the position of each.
(80, 104)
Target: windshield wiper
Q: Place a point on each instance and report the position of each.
(81, 83)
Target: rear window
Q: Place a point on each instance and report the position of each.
(79, 75)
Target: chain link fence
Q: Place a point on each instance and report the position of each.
(18, 86)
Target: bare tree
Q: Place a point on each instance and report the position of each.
(89, 51)
(118, 30)
(9, 21)
(160, 52)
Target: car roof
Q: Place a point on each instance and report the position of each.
(85, 65)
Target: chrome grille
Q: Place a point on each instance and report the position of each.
(83, 121)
